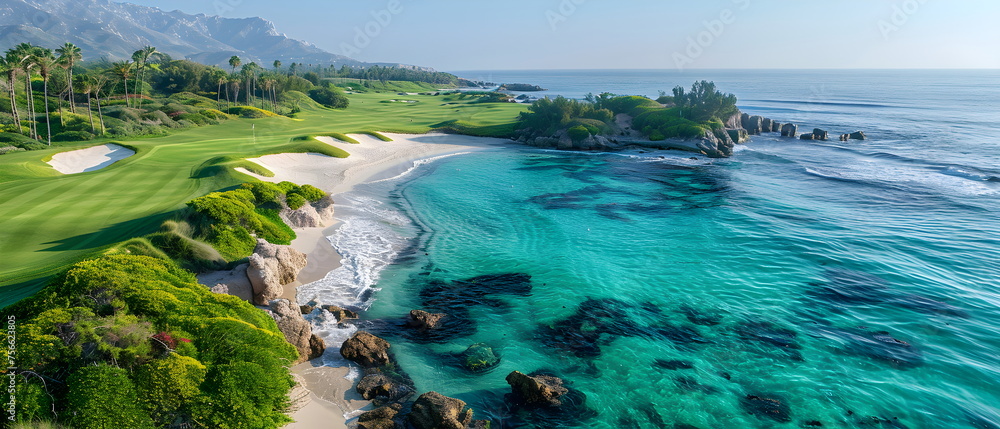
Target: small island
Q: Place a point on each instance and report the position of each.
(520, 87)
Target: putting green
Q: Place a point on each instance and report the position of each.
(49, 220)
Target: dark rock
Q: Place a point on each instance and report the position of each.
(881, 346)
(766, 124)
(654, 417)
(316, 347)
(819, 134)
(423, 320)
(844, 137)
(776, 127)
(381, 418)
(297, 331)
(809, 136)
(385, 387)
(673, 365)
(341, 314)
(537, 391)
(767, 406)
(366, 350)
(685, 426)
(520, 87)
(789, 130)
(857, 135)
(739, 135)
(596, 322)
(812, 424)
(853, 287)
(481, 424)
(768, 333)
(753, 125)
(306, 309)
(700, 317)
(433, 410)
(479, 358)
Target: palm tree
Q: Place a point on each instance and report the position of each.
(122, 69)
(218, 76)
(98, 83)
(46, 62)
(86, 84)
(21, 56)
(10, 69)
(141, 59)
(235, 62)
(277, 65)
(69, 54)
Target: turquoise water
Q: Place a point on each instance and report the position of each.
(856, 283)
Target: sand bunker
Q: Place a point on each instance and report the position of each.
(89, 159)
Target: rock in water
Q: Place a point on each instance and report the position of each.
(297, 331)
(433, 410)
(789, 130)
(776, 127)
(540, 391)
(366, 350)
(739, 135)
(857, 135)
(384, 387)
(380, 418)
(479, 358)
(271, 267)
(819, 134)
(767, 406)
(753, 124)
(340, 314)
(809, 136)
(423, 320)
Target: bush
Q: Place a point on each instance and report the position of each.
(330, 96)
(72, 136)
(310, 192)
(578, 133)
(295, 201)
(250, 112)
(168, 385)
(102, 397)
(214, 114)
(16, 138)
(9, 149)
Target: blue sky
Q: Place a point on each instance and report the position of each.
(581, 34)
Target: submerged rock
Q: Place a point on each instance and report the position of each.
(423, 320)
(479, 358)
(691, 385)
(341, 314)
(857, 135)
(789, 130)
(271, 267)
(433, 410)
(366, 350)
(768, 406)
(768, 333)
(596, 322)
(384, 386)
(878, 345)
(854, 287)
(701, 317)
(673, 365)
(537, 391)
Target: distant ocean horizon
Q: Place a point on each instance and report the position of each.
(854, 284)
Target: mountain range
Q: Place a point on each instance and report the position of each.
(103, 28)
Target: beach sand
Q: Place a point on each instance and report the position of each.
(89, 159)
(331, 395)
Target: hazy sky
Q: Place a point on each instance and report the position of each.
(573, 34)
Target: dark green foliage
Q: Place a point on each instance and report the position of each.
(16, 138)
(264, 192)
(704, 102)
(69, 136)
(546, 116)
(668, 124)
(103, 397)
(227, 220)
(97, 335)
(174, 239)
(632, 105)
(310, 192)
(250, 112)
(330, 96)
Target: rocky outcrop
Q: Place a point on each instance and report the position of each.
(808, 136)
(715, 147)
(423, 320)
(766, 125)
(478, 358)
(341, 314)
(366, 350)
(857, 135)
(819, 134)
(381, 418)
(776, 127)
(735, 121)
(433, 410)
(753, 124)
(739, 135)
(789, 130)
(540, 390)
(520, 87)
(385, 387)
(296, 330)
(271, 267)
(312, 215)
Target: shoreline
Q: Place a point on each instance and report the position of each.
(331, 395)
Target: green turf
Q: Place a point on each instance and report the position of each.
(49, 220)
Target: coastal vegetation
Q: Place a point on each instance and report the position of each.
(686, 115)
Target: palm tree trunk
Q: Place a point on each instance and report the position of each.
(48, 121)
(72, 96)
(62, 122)
(90, 110)
(13, 103)
(218, 96)
(100, 114)
(32, 125)
(126, 92)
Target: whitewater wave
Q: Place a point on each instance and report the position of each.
(948, 181)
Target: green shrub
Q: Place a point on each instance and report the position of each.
(72, 136)
(330, 96)
(264, 192)
(295, 201)
(9, 149)
(167, 385)
(103, 397)
(16, 138)
(250, 112)
(310, 192)
(214, 114)
(578, 133)
(656, 136)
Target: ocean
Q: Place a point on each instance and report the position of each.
(796, 284)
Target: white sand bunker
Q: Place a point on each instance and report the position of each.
(89, 159)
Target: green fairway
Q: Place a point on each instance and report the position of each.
(49, 220)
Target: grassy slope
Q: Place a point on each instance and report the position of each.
(49, 220)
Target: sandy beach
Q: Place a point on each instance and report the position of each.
(331, 396)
